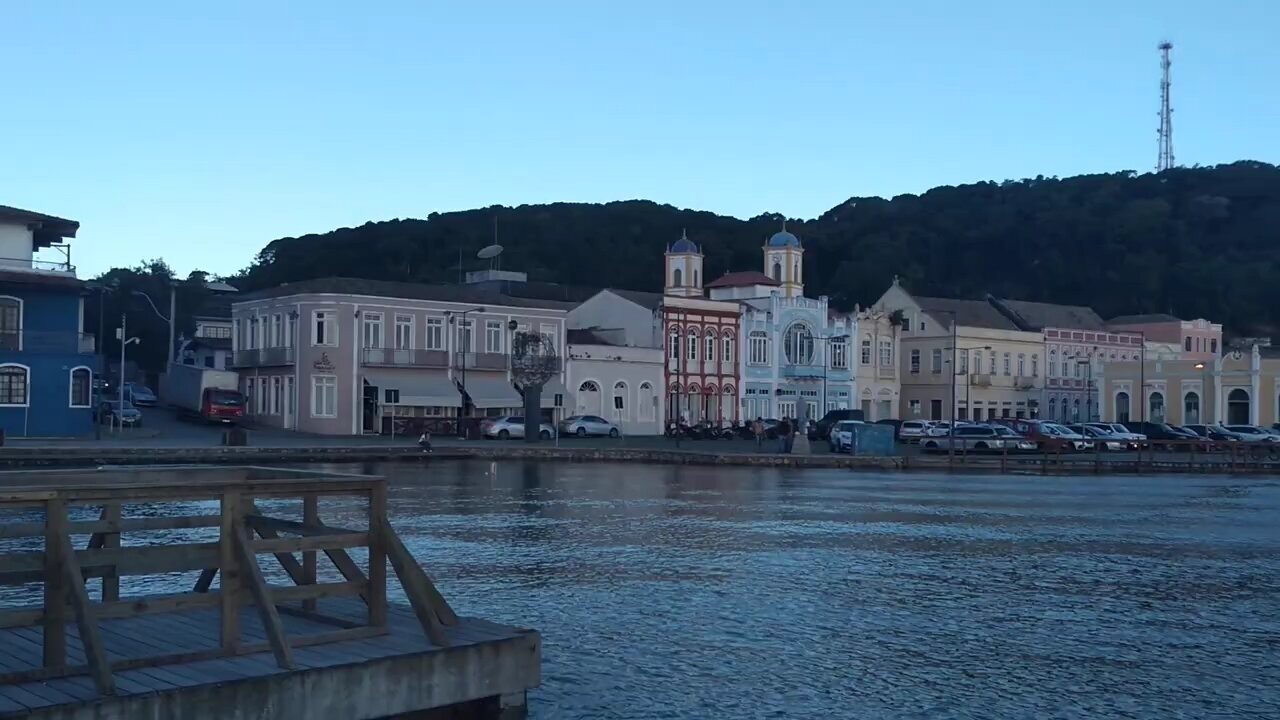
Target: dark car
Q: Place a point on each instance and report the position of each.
(822, 430)
(1215, 433)
(1161, 431)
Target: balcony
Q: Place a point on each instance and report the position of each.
(980, 380)
(390, 357)
(263, 357)
(45, 267)
(481, 361)
(1024, 382)
(50, 341)
(802, 372)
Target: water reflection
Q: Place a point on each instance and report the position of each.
(702, 592)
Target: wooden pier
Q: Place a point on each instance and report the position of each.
(321, 643)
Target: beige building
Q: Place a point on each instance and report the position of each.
(1239, 388)
(876, 364)
(998, 368)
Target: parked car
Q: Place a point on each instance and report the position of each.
(512, 426)
(840, 438)
(977, 438)
(1160, 431)
(822, 429)
(940, 428)
(109, 411)
(1252, 433)
(584, 425)
(912, 430)
(1047, 435)
(1104, 439)
(139, 394)
(1119, 431)
(1216, 433)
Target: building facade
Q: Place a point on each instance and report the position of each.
(210, 344)
(342, 356)
(47, 361)
(998, 368)
(1239, 388)
(618, 382)
(876, 364)
(1197, 340)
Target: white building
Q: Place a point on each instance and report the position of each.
(619, 382)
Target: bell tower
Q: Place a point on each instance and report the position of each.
(683, 268)
(784, 262)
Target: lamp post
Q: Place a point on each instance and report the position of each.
(453, 323)
(125, 341)
(1204, 389)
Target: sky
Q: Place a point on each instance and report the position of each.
(199, 133)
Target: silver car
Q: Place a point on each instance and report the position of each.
(584, 425)
(977, 438)
(841, 437)
(911, 430)
(512, 426)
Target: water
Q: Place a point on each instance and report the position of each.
(688, 592)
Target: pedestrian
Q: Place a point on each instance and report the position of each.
(757, 429)
(791, 435)
(424, 441)
(784, 435)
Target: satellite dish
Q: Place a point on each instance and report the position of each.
(489, 252)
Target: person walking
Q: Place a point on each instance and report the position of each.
(784, 436)
(757, 429)
(424, 441)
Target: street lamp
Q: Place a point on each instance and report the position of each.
(1204, 392)
(453, 322)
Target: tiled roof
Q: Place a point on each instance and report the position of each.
(742, 279)
(968, 313)
(411, 291)
(1143, 319)
(1036, 316)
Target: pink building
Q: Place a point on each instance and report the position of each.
(1199, 339)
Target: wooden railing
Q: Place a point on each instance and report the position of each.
(244, 532)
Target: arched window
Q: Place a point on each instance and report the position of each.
(674, 342)
(1022, 365)
(798, 344)
(588, 398)
(620, 401)
(14, 385)
(1191, 408)
(1053, 366)
(677, 278)
(1122, 407)
(1186, 344)
(1035, 365)
(1238, 407)
(777, 271)
(1053, 408)
(695, 278)
(644, 402)
(728, 348)
(1155, 407)
(10, 323)
(693, 345)
(81, 382)
(795, 272)
(589, 386)
(711, 346)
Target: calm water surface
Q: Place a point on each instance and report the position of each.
(671, 592)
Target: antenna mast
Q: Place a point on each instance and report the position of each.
(1165, 161)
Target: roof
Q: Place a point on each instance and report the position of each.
(650, 300)
(48, 229)
(1037, 316)
(410, 291)
(784, 239)
(742, 279)
(683, 245)
(216, 307)
(969, 313)
(586, 336)
(1143, 319)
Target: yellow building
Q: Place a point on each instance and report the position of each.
(998, 368)
(1239, 388)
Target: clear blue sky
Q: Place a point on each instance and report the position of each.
(198, 133)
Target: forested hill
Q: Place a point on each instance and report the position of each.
(1197, 242)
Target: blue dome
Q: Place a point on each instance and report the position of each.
(784, 239)
(683, 245)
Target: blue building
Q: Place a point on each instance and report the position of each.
(793, 349)
(46, 359)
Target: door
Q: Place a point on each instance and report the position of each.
(290, 402)
(370, 406)
(866, 411)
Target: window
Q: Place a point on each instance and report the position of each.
(277, 330)
(798, 345)
(935, 363)
(840, 354)
(921, 326)
(1155, 407)
(1066, 365)
(1006, 363)
(290, 328)
(1122, 407)
(1079, 367)
(325, 330)
(758, 348)
(14, 385)
(728, 349)
(777, 271)
(963, 360)
(277, 395)
(465, 339)
(711, 349)
(693, 346)
(991, 360)
(493, 336)
(550, 335)
(645, 402)
(675, 345)
(914, 406)
(253, 333)
(390, 396)
(404, 332)
(324, 396)
(1198, 345)
(1022, 365)
(1053, 363)
(81, 384)
(236, 338)
(10, 323)
(1186, 344)
(864, 356)
(1191, 408)
(1035, 365)
(620, 400)
(677, 278)
(977, 363)
(886, 353)
(263, 396)
(1075, 410)
(373, 330)
(915, 362)
(1053, 408)
(906, 323)
(435, 333)
(1213, 345)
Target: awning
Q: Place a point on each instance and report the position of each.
(416, 387)
(492, 392)
(552, 388)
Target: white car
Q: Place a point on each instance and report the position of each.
(1117, 430)
(584, 425)
(841, 437)
(512, 426)
(912, 430)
